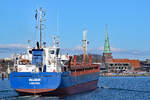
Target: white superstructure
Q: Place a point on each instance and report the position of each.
(46, 59)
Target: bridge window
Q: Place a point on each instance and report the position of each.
(52, 51)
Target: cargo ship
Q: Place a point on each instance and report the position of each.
(44, 71)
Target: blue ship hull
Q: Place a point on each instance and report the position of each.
(52, 83)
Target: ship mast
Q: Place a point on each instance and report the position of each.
(40, 27)
(84, 46)
(41, 15)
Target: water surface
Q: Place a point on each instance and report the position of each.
(110, 88)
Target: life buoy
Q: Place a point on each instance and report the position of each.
(20, 69)
(25, 61)
(54, 70)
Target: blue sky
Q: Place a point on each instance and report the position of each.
(128, 22)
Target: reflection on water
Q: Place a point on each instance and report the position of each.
(111, 88)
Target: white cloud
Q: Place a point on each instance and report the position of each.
(6, 50)
(117, 52)
(12, 46)
(113, 49)
(79, 47)
(101, 48)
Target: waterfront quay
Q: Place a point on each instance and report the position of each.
(128, 74)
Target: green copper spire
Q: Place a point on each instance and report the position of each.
(106, 45)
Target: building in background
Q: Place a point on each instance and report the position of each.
(111, 65)
(107, 55)
(145, 65)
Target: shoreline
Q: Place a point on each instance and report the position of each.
(126, 75)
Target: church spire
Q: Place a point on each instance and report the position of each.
(107, 45)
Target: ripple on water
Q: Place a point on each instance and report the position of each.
(111, 88)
